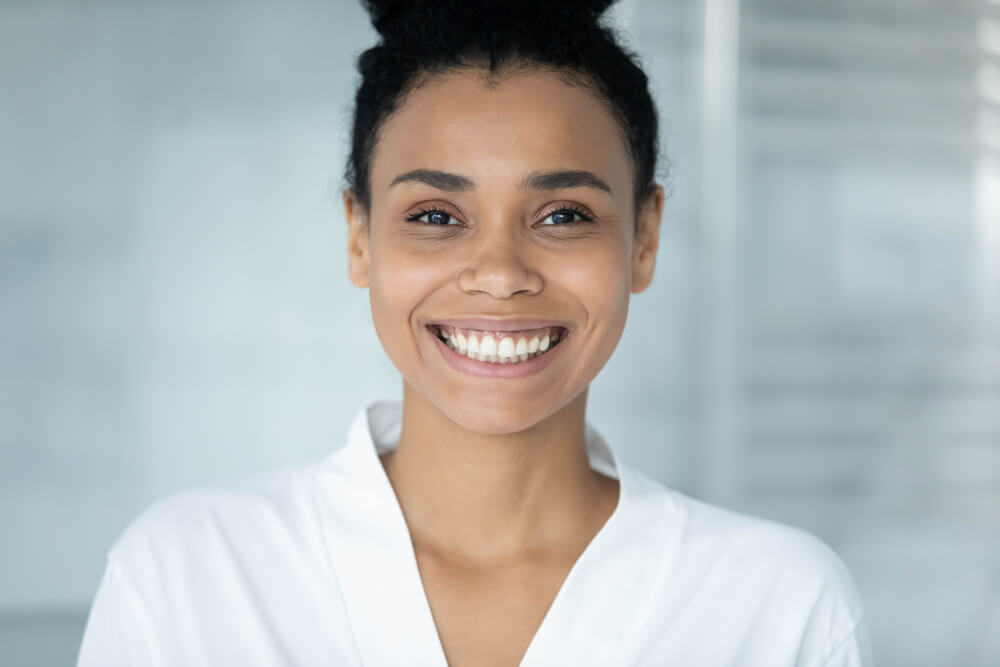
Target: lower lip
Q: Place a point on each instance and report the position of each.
(485, 369)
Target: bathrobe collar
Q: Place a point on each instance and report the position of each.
(374, 562)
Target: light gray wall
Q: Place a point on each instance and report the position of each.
(819, 346)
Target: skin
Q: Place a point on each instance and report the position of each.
(492, 474)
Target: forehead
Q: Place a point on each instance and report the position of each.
(504, 126)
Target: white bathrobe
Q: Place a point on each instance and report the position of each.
(314, 566)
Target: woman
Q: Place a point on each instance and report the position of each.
(501, 208)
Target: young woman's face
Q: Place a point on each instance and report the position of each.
(501, 211)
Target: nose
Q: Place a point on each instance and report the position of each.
(498, 267)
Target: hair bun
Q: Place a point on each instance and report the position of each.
(393, 17)
(385, 13)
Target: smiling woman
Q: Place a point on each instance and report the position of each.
(501, 212)
(536, 223)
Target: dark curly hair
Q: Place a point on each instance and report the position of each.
(423, 38)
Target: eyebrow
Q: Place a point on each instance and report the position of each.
(543, 180)
(559, 180)
(442, 180)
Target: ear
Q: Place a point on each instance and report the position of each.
(647, 239)
(358, 256)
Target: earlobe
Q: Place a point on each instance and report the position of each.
(647, 239)
(358, 256)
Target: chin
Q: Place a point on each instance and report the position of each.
(498, 418)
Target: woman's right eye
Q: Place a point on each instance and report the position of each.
(432, 217)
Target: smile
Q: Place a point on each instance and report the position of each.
(499, 347)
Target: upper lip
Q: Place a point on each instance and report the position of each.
(492, 324)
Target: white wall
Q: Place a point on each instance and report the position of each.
(174, 307)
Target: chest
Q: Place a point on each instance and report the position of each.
(489, 615)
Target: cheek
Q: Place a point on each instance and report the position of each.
(400, 281)
(601, 279)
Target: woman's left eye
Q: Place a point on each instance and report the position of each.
(565, 216)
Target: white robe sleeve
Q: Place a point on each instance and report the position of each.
(118, 631)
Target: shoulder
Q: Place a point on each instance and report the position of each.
(191, 523)
(709, 534)
(779, 584)
(247, 561)
(785, 556)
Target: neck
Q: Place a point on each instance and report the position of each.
(494, 496)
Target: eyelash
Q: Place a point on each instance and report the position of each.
(583, 216)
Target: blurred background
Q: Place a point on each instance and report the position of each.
(820, 345)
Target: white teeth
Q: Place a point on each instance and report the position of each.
(506, 349)
(497, 348)
(522, 347)
(488, 346)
